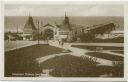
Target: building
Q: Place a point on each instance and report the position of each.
(63, 30)
(111, 35)
(47, 31)
(85, 33)
(29, 29)
(67, 31)
(71, 32)
(56, 32)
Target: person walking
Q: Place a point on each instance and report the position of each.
(62, 43)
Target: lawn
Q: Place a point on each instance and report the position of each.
(72, 66)
(105, 56)
(23, 60)
(69, 66)
(94, 47)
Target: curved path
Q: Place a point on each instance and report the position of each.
(75, 52)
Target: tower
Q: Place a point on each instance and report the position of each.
(66, 23)
(29, 29)
(64, 29)
(66, 20)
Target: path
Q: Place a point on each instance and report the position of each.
(12, 45)
(44, 58)
(100, 44)
(75, 52)
(112, 53)
(82, 52)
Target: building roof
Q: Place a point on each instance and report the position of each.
(48, 25)
(65, 25)
(101, 29)
(29, 26)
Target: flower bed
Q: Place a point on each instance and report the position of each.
(105, 56)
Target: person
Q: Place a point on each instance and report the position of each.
(47, 40)
(59, 42)
(62, 43)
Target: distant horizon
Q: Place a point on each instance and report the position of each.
(76, 20)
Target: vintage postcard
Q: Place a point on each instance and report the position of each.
(65, 40)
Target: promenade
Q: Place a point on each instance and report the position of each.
(67, 46)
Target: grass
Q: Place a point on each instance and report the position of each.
(23, 60)
(72, 66)
(94, 47)
(69, 66)
(105, 56)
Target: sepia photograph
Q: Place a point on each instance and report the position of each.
(63, 40)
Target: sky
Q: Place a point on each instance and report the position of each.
(59, 10)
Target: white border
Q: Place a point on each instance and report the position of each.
(1, 38)
(126, 41)
(67, 78)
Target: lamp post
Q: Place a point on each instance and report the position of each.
(38, 32)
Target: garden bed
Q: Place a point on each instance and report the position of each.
(23, 60)
(72, 66)
(105, 56)
(94, 47)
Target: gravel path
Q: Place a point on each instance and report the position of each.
(75, 52)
